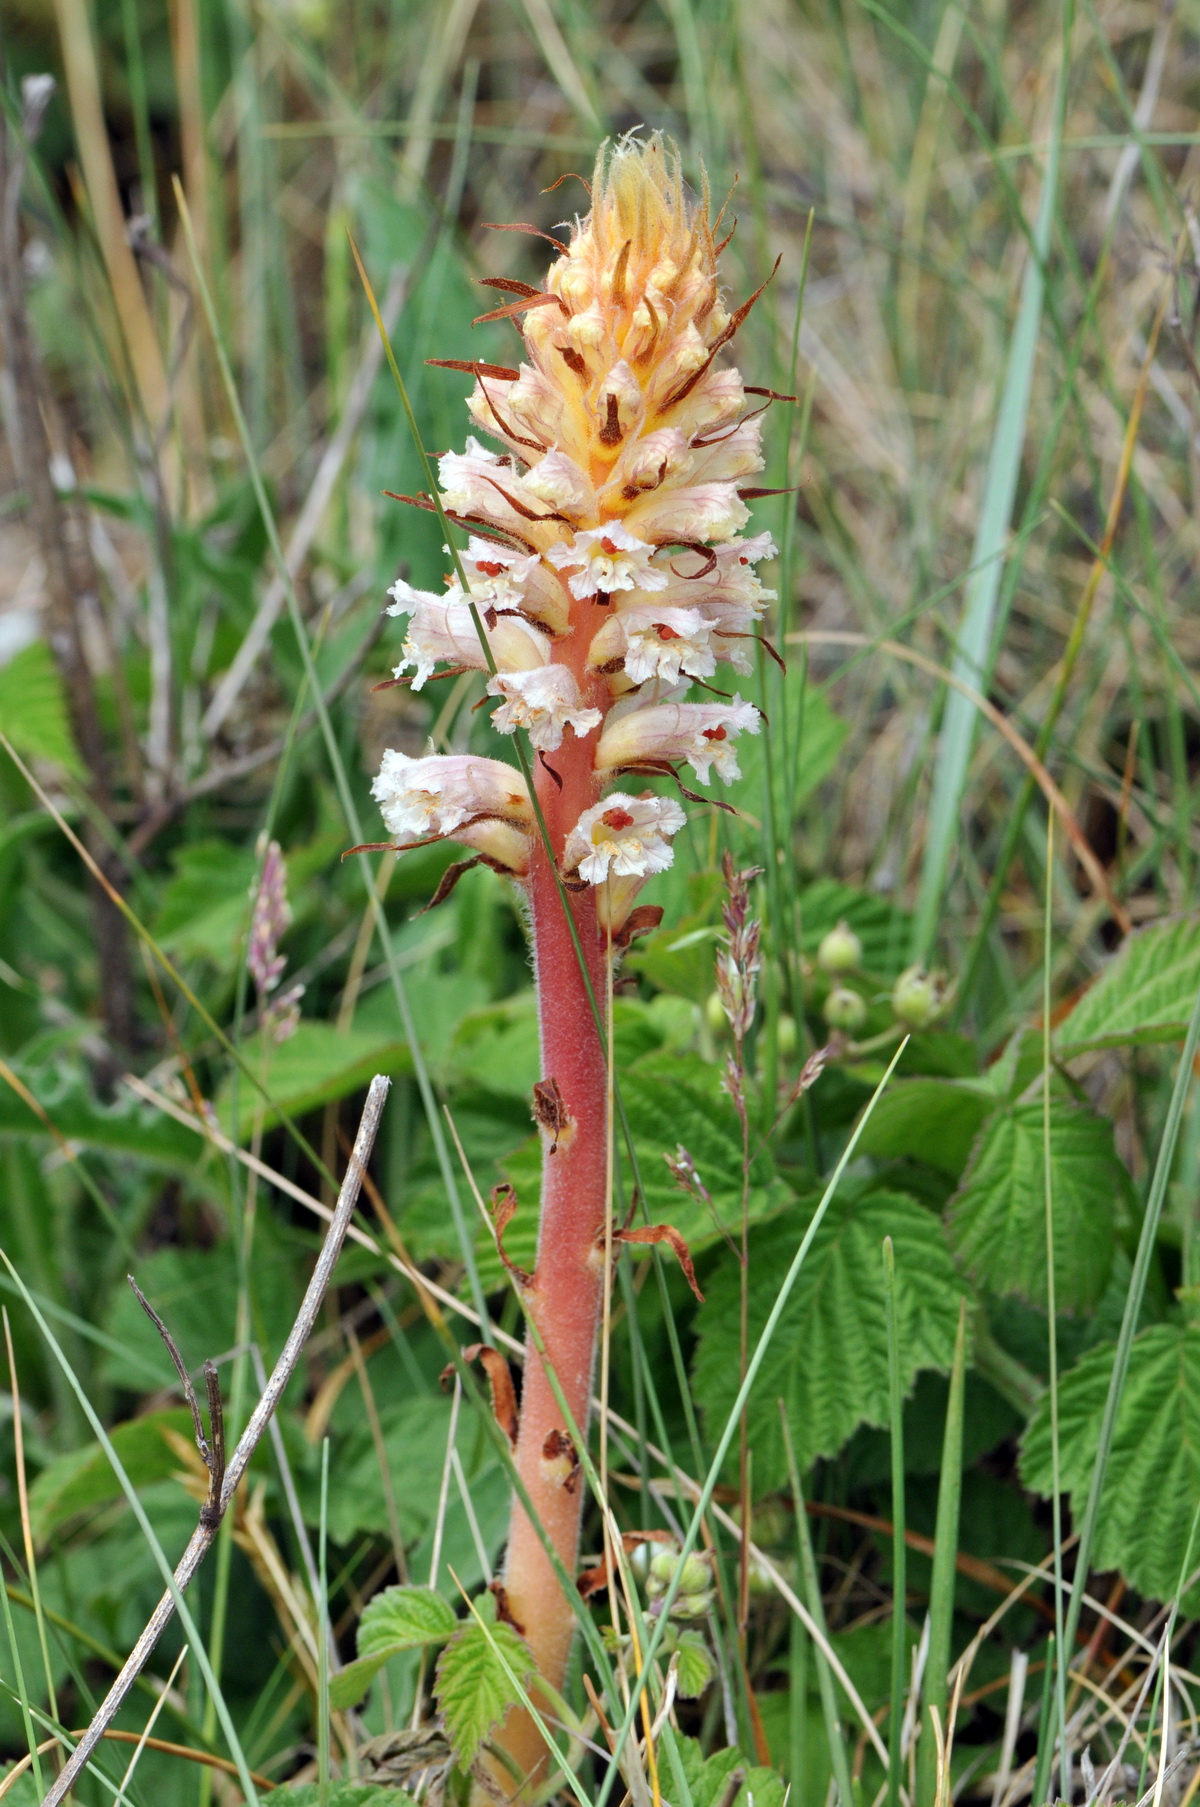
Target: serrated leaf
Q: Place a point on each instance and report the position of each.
(997, 1222)
(125, 1127)
(931, 1120)
(707, 1780)
(83, 1479)
(694, 1666)
(828, 1360)
(1152, 1479)
(1144, 994)
(474, 1690)
(405, 1618)
(398, 1619)
(33, 708)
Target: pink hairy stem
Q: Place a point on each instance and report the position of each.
(564, 1297)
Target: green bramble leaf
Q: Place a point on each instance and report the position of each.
(1152, 1479)
(694, 1667)
(399, 1618)
(1144, 994)
(828, 1360)
(204, 912)
(708, 1781)
(82, 1479)
(474, 1690)
(405, 1618)
(931, 1120)
(997, 1222)
(33, 709)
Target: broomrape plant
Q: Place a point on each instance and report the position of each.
(605, 574)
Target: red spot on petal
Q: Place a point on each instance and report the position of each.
(715, 734)
(617, 819)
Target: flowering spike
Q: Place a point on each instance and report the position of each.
(608, 570)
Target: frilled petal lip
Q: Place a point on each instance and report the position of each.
(623, 836)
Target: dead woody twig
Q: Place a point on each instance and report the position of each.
(223, 1489)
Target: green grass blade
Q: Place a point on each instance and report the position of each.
(1052, 1319)
(1045, 1741)
(974, 643)
(941, 1594)
(21, 1692)
(323, 1635)
(899, 1547)
(839, 1757)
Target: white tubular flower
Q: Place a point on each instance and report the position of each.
(714, 403)
(478, 485)
(701, 511)
(482, 802)
(623, 837)
(497, 575)
(558, 481)
(656, 642)
(650, 460)
(543, 702)
(637, 734)
(723, 587)
(443, 629)
(536, 405)
(607, 558)
(461, 472)
(732, 454)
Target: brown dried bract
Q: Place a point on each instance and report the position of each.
(593, 1580)
(655, 1233)
(550, 1112)
(500, 1383)
(642, 920)
(503, 1610)
(504, 1209)
(560, 1460)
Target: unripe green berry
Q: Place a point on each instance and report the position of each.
(785, 1035)
(840, 950)
(714, 1013)
(692, 1606)
(844, 1009)
(917, 997)
(696, 1577)
(663, 1564)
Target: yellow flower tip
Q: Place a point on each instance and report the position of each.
(643, 263)
(638, 197)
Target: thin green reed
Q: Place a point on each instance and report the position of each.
(899, 1546)
(839, 1756)
(945, 1568)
